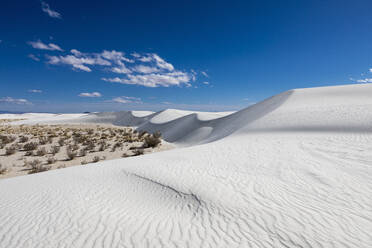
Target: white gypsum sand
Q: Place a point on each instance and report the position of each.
(291, 171)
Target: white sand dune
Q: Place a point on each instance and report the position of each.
(292, 171)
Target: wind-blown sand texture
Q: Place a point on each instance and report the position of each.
(291, 171)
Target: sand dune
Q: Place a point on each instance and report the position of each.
(291, 171)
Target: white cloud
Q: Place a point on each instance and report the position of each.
(121, 70)
(148, 70)
(52, 13)
(206, 83)
(78, 62)
(145, 69)
(76, 52)
(161, 63)
(204, 74)
(42, 46)
(35, 91)
(11, 100)
(126, 99)
(365, 80)
(176, 78)
(93, 94)
(33, 57)
(115, 56)
(136, 55)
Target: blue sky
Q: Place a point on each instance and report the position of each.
(73, 56)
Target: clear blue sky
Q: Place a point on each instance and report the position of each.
(72, 56)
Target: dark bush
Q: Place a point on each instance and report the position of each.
(30, 146)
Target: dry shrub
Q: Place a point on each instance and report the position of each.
(10, 150)
(43, 140)
(138, 152)
(61, 142)
(23, 139)
(30, 146)
(51, 160)
(41, 152)
(7, 139)
(55, 150)
(83, 152)
(70, 153)
(152, 140)
(37, 167)
(95, 159)
(3, 169)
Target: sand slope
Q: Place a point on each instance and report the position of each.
(291, 171)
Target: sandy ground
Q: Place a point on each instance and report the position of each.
(18, 164)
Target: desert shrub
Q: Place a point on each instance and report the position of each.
(70, 153)
(90, 145)
(125, 155)
(7, 139)
(41, 152)
(37, 167)
(51, 160)
(74, 147)
(28, 153)
(116, 145)
(102, 146)
(82, 152)
(43, 140)
(10, 150)
(50, 140)
(95, 159)
(55, 150)
(138, 152)
(152, 140)
(61, 166)
(30, 146)
(142, 134)
(61, 142)
(3, 169)
(23, 139)
(83, 162)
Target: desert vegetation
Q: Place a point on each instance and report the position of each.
(28, 149)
